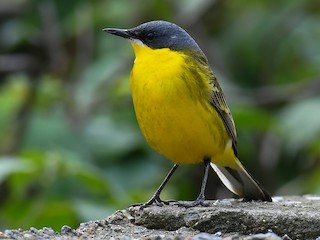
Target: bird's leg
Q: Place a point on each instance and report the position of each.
(201, 198)
(156, 196)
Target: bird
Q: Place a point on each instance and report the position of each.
(181, 109)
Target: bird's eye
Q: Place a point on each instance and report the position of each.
(150, 37)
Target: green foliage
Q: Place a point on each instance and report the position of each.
(71, 149)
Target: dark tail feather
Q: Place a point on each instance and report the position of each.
(241, 183)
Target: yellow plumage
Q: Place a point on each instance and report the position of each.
(175, 116)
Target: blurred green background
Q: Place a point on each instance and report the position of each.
(71, 150)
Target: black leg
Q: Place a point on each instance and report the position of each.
(156, 196)
(201, 198)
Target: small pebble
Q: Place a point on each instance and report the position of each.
(47, 230)
(139, 230)
(12, 233)
(286, 237)
(29, 236)
(206, 236)
(34, 230)
(66, 230)
(263, 236)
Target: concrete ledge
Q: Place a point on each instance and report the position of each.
(285, 218)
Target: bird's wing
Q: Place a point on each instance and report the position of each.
(219, 103)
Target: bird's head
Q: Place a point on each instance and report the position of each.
(157, 35)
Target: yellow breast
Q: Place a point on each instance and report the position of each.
(173, 110)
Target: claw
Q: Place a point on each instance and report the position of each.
(154, 200)
(197, 202)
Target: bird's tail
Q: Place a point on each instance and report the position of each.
(241, 183)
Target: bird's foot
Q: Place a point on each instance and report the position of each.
(198, 202)
(154, 200)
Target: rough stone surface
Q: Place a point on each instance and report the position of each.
(286, 218)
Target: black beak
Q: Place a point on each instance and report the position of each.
(118, 32)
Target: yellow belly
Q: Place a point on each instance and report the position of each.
(176, 121)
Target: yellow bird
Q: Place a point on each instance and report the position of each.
(181, 109)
